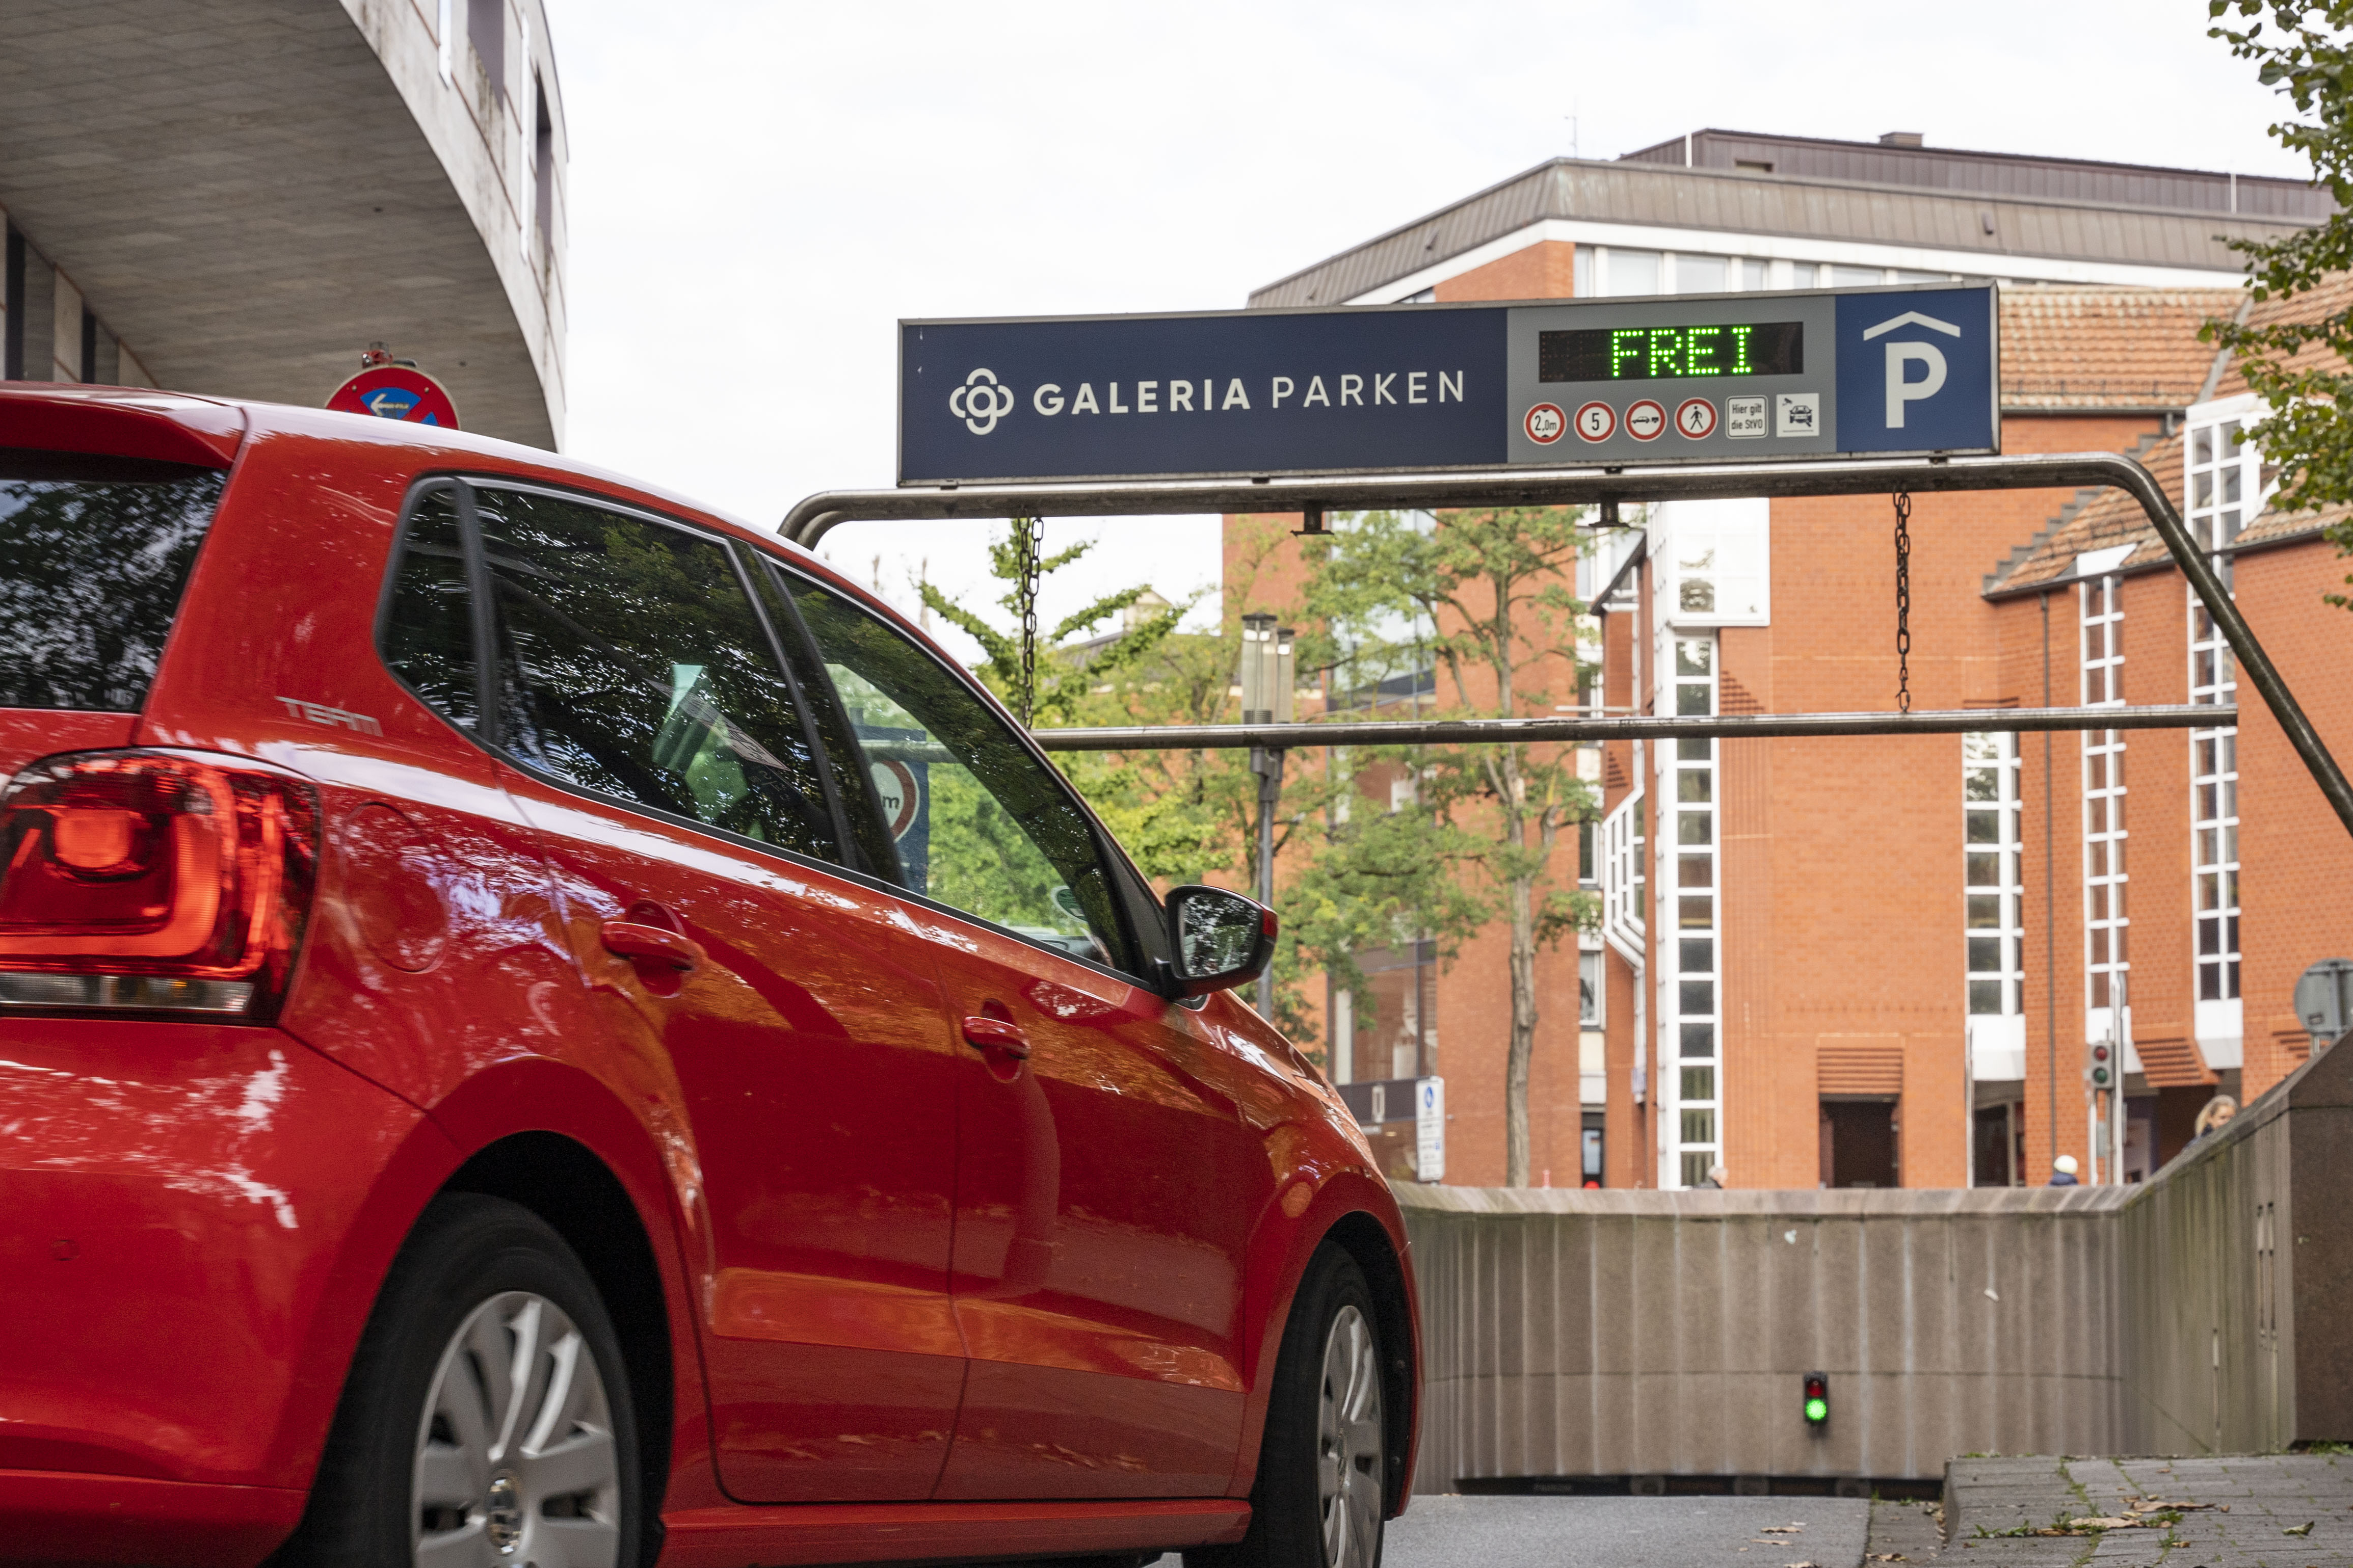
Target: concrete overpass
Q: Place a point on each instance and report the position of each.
(238, 198)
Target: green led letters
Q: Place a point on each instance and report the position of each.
(1664, 344)
(1625, 343)
(1699, 354)
(1681, 352)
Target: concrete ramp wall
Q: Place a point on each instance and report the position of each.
(1603, 1334)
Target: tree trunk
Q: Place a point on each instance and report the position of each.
(1523, 1033)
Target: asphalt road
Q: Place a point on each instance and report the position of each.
(1625, 1532)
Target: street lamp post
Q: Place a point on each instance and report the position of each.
(1267, 699)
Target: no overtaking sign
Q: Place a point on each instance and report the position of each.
(1368, 388)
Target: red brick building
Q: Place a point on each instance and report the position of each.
(1879, 961)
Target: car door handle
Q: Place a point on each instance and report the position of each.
(994, 1034)
(629, 939)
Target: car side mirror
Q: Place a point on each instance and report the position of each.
(1222, 940)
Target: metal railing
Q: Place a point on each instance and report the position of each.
(1314, 495)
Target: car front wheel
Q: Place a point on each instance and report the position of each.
(1318, 1501)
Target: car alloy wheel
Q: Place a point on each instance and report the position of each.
(515, 1458)
(1348, 1443)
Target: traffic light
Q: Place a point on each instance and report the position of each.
(1818, 1400)
(2102, 1073)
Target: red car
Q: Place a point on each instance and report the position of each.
(543, 1027)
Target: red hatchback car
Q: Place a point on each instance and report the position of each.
(542, 1026)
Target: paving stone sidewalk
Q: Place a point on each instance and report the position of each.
(2259, 1510)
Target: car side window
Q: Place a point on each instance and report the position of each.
(631, 663)
(981, 825)
(428, 624)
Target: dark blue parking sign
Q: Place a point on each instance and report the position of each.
(1419, 387)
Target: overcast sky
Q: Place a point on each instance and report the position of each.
(759, 191)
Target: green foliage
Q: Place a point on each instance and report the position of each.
(1191, 817)
(1061, 683)
(1482, 598)
(981, 860)
(2302, 50)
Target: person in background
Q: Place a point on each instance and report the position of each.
(2062, 1172)
(2215, 1116)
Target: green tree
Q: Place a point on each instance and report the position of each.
(1482, 596)
(2299, 362)
(1191, 815)
(1050, 685)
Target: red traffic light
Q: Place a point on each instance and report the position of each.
(1818, 1398)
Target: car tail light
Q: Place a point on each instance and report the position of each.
(153, 881)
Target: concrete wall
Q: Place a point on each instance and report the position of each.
(1631, 1332)
(1643, 1332)
(2236, 1334)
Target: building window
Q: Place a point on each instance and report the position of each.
(1631, 271)
(1624, 884)
(2100, 605)
(1752, 274)
(2223, 483)
(2214, 860)
(1989, 859)
(1692, 1130)
(486, 29)
(1396, 1014)
(1701, 275)
(1588, 989)
(2219, 483)
(542, 169)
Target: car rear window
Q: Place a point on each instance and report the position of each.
(94, 553)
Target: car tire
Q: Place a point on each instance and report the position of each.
(1319, 1501)
(436, 1454)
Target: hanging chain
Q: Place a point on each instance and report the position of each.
(1904, 601)
(1025, 536)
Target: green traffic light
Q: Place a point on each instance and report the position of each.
(1818, 1409)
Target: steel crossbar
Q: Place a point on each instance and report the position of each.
(1472, 732)
(817, 515)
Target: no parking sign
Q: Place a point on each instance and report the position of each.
(396, 391)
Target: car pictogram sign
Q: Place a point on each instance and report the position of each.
(1545, 423)
(1695, 418)
(1597, 421)
(1646, 420)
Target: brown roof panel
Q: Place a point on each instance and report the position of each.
(1885, 162)
(2333, 297)
(2066, 349)
(2103, 518)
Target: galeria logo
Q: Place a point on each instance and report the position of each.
(980, 402)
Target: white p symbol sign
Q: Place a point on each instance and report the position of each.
(1901, 391)
(1901, 357)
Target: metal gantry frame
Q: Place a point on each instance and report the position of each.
(1317, 494)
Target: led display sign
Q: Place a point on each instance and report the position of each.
(1672, 352)
(1740, 376)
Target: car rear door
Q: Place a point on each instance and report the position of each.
(1104, 1179)
(790, 1007)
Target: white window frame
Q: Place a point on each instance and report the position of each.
(2223, 491)
(1690, 1123)
(1993, 907)
(2108, 921)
